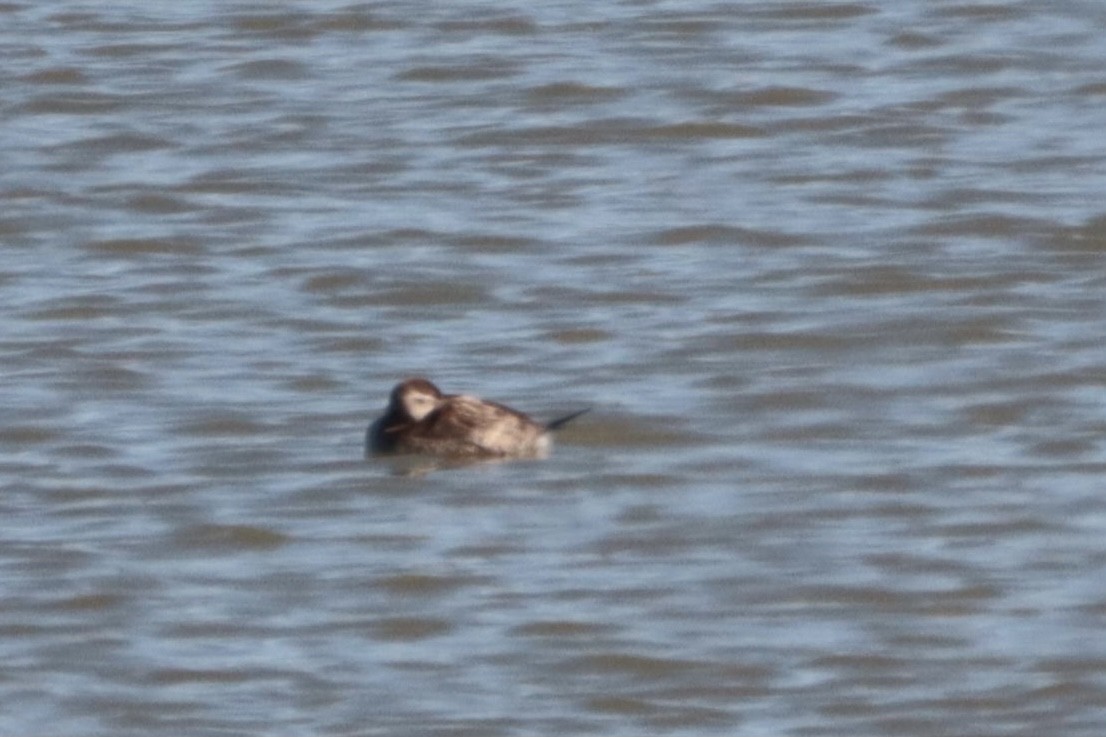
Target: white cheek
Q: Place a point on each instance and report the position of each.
(421, 406)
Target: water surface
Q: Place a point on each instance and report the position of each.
(831, 275)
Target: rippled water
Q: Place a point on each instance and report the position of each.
(832, 276)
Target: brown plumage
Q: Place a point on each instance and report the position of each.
(420, 419)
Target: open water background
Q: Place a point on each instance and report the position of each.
(833, 276)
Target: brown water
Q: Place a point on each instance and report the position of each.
(832, 275)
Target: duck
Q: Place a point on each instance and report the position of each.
(420, 419)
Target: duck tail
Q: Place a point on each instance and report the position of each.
(561, 421)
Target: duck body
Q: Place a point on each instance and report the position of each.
(420, 419)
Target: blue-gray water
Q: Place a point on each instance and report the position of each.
(832, 276)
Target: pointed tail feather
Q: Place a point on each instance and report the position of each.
(560, 421)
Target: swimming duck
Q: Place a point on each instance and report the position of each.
(420, 419)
